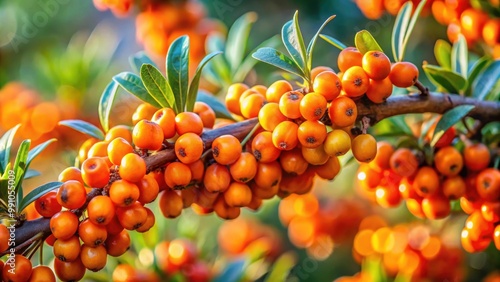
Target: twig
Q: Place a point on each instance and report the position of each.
(424, 91)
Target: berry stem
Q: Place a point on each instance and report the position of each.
(424, 91)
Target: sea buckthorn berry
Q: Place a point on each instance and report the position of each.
(4, 242)
(247, 93)
(132, 167)
(69, 270)
(261, 89)
(94, 258)
(472, 22)
(123, 193)
(67, 250)
(379, 90)
(143, 112)
(328, 85)
(47, 205)
(148, 189)
(355, 82)
(263, 192)
(177, 175)
(328, 170)
(383, 158)
(189, 147)
(454, 187)
(426, 181)
(245, 168)
(42, 273)
(268, 174)
(404, 162)
(132, 216)
(233, 97)
(343, 111)
(197, 170)
(311, 134)
(101, 210)
(71, 173)
(315, 156)
(263, 148)
(491, 211)
(114, 227)
(170, 204)
(99, 149)
(92, 234)
(448, 161)
(319, 69)
(337, 143)
(20, 272)
(285, 135)
(217, 178)
(85, 147)
(63, 225)
(403, 74)
(95, 172)
(368, 177)
(387, 196)
(293, 162)
(477, 156)
(270, 116)
(364, 147)
(238, 195)
(488, 184)
(119, 131)
(491, 32)
(376, 65)
(349, 57)
(313, 106)
(165, 118)
(251, 105)
(147, 135)
(71, 194)
(117, 149)
(206, 114)
(150, 221)
(277, 89)
(118, 244)
(290, 104)
(436, 206)
(496, 237)
(226, 149)
(224, 211)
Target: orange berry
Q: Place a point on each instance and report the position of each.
(117, 149)
(285, 135)
(343, 111)
(67, 250)
(119, 131)
(311, 134)
(197, 170)
(42, 273)
(245, 168)
(290, 104)
(233, 97)
(404, 162)
(454, 187)
(251, 105)
(71, 173)
(293, 161)
(226, 149)
(224, 211)
(349, 57)
(143, 112)
(170, 204)
(276, 90)
(355, 81)
(268, 174)
(263, 148)
(93, 258)
(312, 107)
(177, 175)
(364, 147)
(206, 114)
(47, 205)
(63, 225)
(426, 181)
(123, 193)
(477, 157)
(118, 244)
(217, 178)
(488, 184)
(132, 216)
(472, 22)
(92, 234)
(337, 143)
(101, 210)
(21, 270)
(188, 122)
(147, 135)
(150, 222)
(403, 74)
(165, 118)
(379, 90)
(132, 167)
(376, 65)
(491, 32)
(319, 69)
(148, 189)
(448, 161)
(270, 116)
(189, 147)
(69, 270)
(436, 206)
(238, 195)
(71, 195)
(328, 85)
(316, 155)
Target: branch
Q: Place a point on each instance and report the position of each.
(396, 105)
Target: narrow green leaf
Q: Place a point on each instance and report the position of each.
(448, 119)
(411, 25)
(157, 87)
(312, 43)
(31, 173)
(21, 163)
(5, 145)
(83, 127)
(281, 268)
(136, 86)
(218, 107)
(365, 42)
(237, 39)
(277, 59)
(106, 104)
(220, 65)
(233, 272)
(335, 42)
(300, 41)
(289, 39)
(459, 56)
(37, 193)
(249, 62)
(448, 80)
(178, 70)
(195, 82)
(476, 68)
(138, 59)
(442, 52)
(4, 179)
(399, 30)
(38, 149)
(486, 81)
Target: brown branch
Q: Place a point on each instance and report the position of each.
(397, 105)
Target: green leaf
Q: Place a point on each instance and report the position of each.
(411, 25)
(448, 120)
(282, 267)
(365, 42)
(485, 83)
(83, 127)
(312, 43)
(478, 66)
(157, 87)
(31, 173)
(233, 272)
(335, 42)
(459, 56)
(249, 62)
(450, 81)
(138, 59)
(290, 39)
(136, 86)
(106, 104)
(37, 193)
(38, 149)
(219, 65)
(195, 82)
(442, 52)
(5, 145)
(218, 107)
(399, 31)
(277, 59)
(237, 39)
(21, 164)
(178, 70)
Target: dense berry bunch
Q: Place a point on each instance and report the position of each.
(374, 9)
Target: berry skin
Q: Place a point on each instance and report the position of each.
(403, 74)
(92, 234)
(276, 90)
(337, 143)
(245, 168)
(263, 148)
(217, 178)
(426, 181)
(355, 82)
(63, 225)
(165, 118)
(188, 148)
(448, 161)
(364, 147)
(170, 204)
(101, 210)
(376, 65)
(226, 149)
(238, 195)
(328, 85)
(177, 175)
(71, 195)
(69, 271)
(251, 105)
(379, 90)
(118, 244)
(312, 107)
(343, 111)
(132, 167)
(147, 135)
(290, 104)
(488, 184)
(311, 134)
(188, 122)
(67, 250)
(270, 116)
(476, 157)
(42, 273)
(206, 114)
(95, 172)
(285, 136)
(404, 162)
(119, 131)
(20, 272)
(123, 193)
(93, 258)
(233, 97)
(117, 149)
(132, 216)
(47, 205)
(349, 57)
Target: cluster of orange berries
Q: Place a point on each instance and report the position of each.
(374, 9)
(320, 227)
(402, 174)
(407, 250)
(20, 268)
